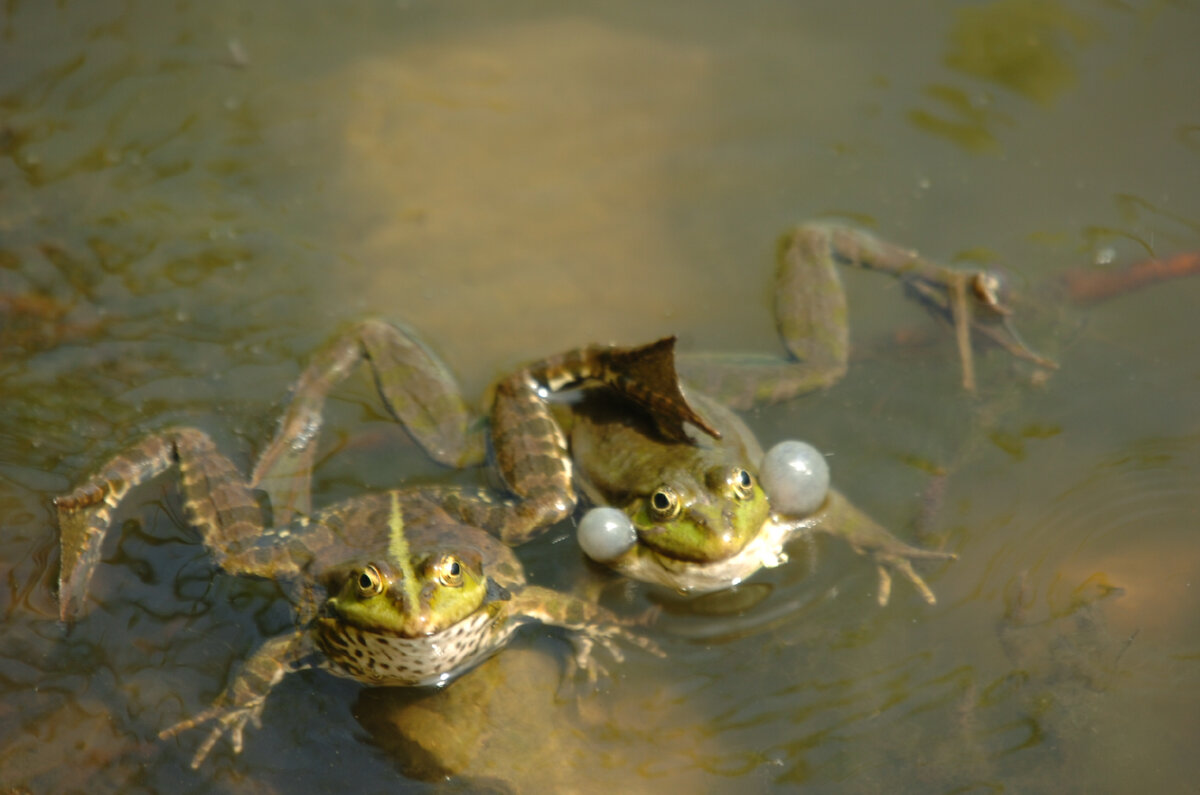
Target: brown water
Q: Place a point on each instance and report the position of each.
(193, 196)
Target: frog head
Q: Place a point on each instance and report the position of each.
(702, 517)
(419, 588)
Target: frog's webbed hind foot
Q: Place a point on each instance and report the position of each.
(971, 301)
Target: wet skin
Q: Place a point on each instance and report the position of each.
(397, 588)
(689, 485)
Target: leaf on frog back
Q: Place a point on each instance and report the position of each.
(647, 375)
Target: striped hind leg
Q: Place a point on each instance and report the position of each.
(218, 501)
(415, 387)
(530, 447)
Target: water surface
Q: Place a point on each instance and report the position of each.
(194, 196)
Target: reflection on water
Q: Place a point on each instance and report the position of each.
(192, 198)
(971, 121)
(1021, 45)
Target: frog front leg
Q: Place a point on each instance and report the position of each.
(839, 517)
(530, 448)
(587, 624)
(531, 453)
(218, 501)
(242, 702)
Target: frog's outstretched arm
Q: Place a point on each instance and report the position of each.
(242, 702)
(838, 517)
(588, 625)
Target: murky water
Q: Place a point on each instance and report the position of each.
(193, 196)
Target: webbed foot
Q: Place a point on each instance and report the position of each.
(415, 386)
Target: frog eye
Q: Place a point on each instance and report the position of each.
(369, 583)
(743, 484)
(448, 571)
(987, 287)
(664, 504)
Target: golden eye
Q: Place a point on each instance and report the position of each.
(664, 504)
(369, 583)
(743, 484)
(449, 572)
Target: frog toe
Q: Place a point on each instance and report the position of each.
(903, 566)
(229, 720)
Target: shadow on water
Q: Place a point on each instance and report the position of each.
(193, 198)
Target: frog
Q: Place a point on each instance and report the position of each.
(696, 515)
(811, 317)
(411, 586)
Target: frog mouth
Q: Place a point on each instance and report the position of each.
(763, 550)
(717, 544)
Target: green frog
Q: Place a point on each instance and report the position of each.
(397, 588)
(697, 516)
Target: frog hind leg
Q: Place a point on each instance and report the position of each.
(243, 700)
(422, 395)
(811, 316)
(969, 299)
(415, 386)
(530, 448)
(218, 500)
(532, 458)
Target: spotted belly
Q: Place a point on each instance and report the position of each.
(384, 659)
